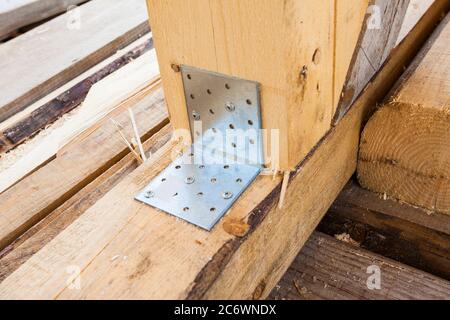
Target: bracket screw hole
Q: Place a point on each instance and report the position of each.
(249, 102)
(227, 86)
(200, 194)
(163, 180)
(149, 194)
(250, 122)
(213, 180)
(234, 145)
(226, 167)
(189, 76)
(252, 141)
(211, 111)
(231, 126)
(209, 91)
(212, 209)
(186, 209)
(238, 180)
(175, 194)
(192, 96)
(178, 167)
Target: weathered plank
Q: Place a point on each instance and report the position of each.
(20, 13)
(383, 25)
(53, 53)
(329, 269)
(125, 248)
(396, 230)
(405, 147)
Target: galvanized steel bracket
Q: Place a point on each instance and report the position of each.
(202, 184)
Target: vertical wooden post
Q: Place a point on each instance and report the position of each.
(289, 47)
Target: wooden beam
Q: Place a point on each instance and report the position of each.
(381, 29)
(405, 147)
(20, 13)
(297, 86)
(395, 230)
(327, 269)
(51, 54)
(124, 248)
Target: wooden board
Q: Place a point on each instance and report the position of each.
(329, 269)
(51, 54)
(124, 248)
(297, 86)
(20, 13)
(44, 115)
(129, 84)
(395, 230)
(49, 186)
(405, 147)
(382, 27)
(48, 228)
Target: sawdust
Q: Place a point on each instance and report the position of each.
(8, 159)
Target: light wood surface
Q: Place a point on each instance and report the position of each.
(243, 39)
(48, 56)
(19, 13)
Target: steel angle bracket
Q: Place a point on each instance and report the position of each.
(202, 184)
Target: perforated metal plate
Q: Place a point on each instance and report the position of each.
(225, 121)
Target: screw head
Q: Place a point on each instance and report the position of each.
(227, 195)
(149, 194)
(189, 180)
(230, 106)
(196, 115)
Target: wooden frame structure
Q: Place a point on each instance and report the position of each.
(124, 249)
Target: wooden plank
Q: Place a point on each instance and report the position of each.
(225, 36)
(124, 248)
(329, 269)
(48, 187)
(64, 102)
(20, 13)
(46, 230)
(393, 229)
(129, 84)
(383, 25)
(51, 54)
(405, 147)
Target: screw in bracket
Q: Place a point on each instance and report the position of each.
(196, 115)
(230, 106)
(227, 195)
(189, 180)
(149, 194)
